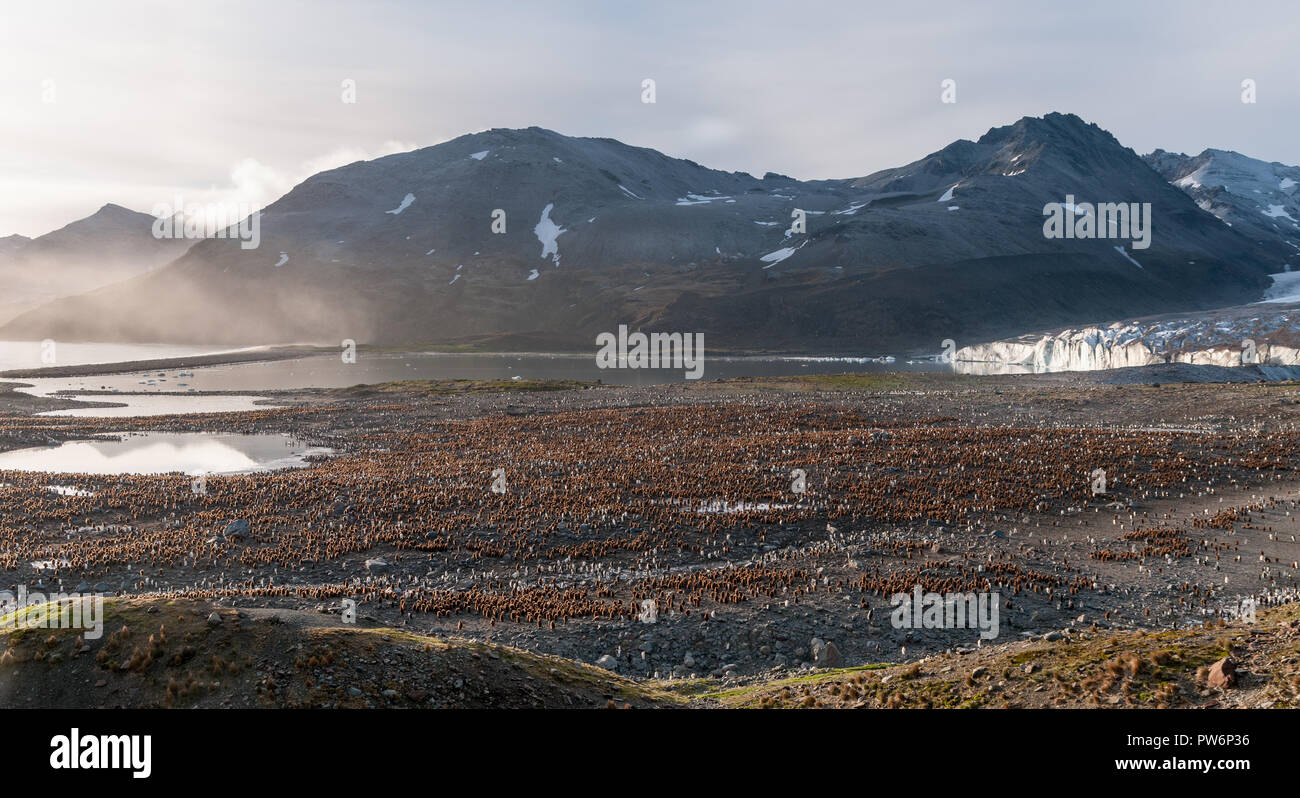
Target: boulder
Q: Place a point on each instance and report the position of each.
(825, 654)
(238, 530)
(1223, 674)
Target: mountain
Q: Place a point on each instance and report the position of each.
(1259, 199)
(401, 250)
(110, 245)
(11, 244)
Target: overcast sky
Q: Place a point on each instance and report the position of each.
(136, 102)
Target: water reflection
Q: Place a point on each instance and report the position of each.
(141, 406)
(165, 453)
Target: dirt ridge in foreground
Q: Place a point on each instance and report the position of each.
(184, 653)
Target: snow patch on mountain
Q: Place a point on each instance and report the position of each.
(852, 210)
(699, 199)
(1120, 249)
(1285, 288)
(548, 232)
(773, 258)
(406, 203)
(1277, 212)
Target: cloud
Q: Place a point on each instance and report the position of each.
(832, 89)
(712, 131)
(251, 186)
(255, 185)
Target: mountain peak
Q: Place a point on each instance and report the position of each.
(112, 209)
(1049, 128)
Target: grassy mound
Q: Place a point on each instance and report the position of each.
(173, 653)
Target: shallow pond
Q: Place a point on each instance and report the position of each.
(165, 453)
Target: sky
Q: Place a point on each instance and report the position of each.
(140, 102)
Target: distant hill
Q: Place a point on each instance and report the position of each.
(110, 245)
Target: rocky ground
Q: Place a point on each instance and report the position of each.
(1233, 664)
(681, 495)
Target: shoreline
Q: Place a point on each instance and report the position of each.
(195, 361)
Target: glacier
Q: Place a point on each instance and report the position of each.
(1201, 342)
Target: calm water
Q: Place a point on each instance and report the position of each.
(165, 453)
(37, 354)
(160, 405)
(166, 391)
